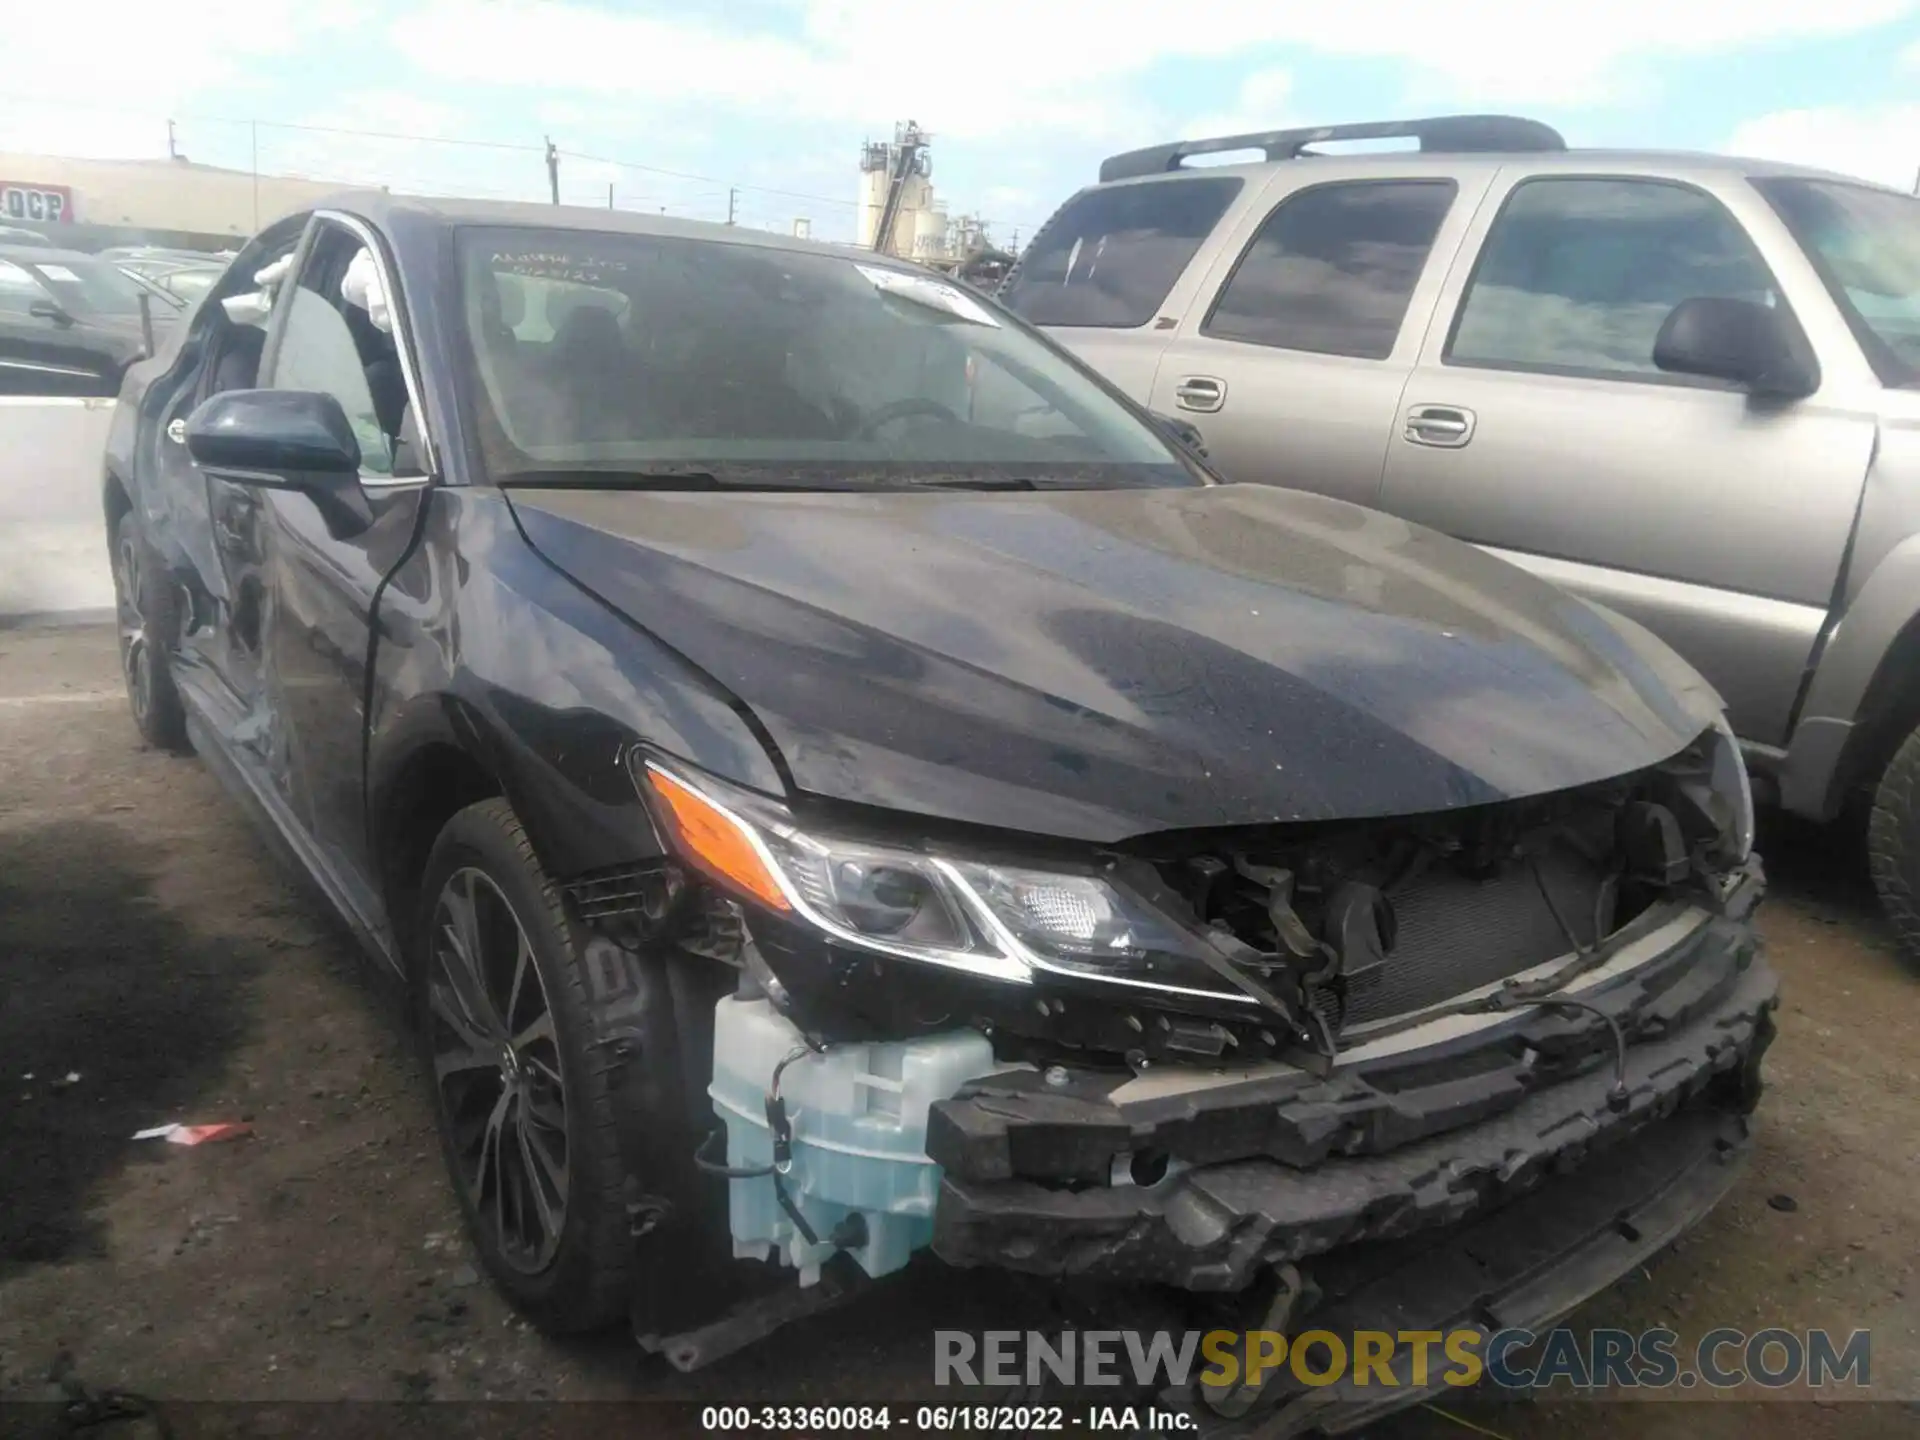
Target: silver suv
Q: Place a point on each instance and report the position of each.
(1681, 385)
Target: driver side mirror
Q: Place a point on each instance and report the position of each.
(284, 440)
(1752, 345)
(50, 310)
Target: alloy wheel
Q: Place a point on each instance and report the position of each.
(136, 658)
(496, 1064)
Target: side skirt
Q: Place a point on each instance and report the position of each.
(242, 777)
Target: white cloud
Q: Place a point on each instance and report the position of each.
(106, 87)
(1874, 142)
(1263, 102)
(1067, 67)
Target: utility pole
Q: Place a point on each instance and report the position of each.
(733, 199)
(609, 194)
(173, 149)
(553, 170)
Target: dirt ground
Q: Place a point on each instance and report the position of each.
(156, 965)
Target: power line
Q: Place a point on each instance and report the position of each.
(553, 153)
(199, 119)
(704, 179)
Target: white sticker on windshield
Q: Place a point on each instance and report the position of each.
(926, 290)
(60, 272)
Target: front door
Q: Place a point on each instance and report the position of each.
(208, 517)
(1537, 425)
(320, 583)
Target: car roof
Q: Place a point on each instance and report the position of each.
(382, 208)
(154, 252)
(44, 255)
(1447, 144)
(1679, 164)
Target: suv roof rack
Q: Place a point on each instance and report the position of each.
(1459, 134)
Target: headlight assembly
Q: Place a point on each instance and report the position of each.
(1735, 790)
(1003, 921)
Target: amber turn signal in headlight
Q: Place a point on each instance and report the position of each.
(716, 840)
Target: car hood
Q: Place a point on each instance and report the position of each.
(1096, 664)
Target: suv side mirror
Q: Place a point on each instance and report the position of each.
(284, 440)
(50, 310)
(1743, 341)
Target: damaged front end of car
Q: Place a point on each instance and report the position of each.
(1209, 1059)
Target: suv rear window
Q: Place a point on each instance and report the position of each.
(1110, 256)
(1333, 268)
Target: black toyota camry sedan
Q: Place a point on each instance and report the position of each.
(838, 782)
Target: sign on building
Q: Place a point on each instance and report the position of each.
(25, 200)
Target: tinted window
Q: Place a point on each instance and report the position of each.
(1866, 244)
(810, 368)
(535, 307)
(88, 286)
(1579, 275)
(18, 289)
(1333, 268)
(331, 346)
(1110, 256)
(190, 284)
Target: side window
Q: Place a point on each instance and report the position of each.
(1111, 255)
(329, 344)
(40, 357)
(1578, 275)
(18, 289)
(1333, 268)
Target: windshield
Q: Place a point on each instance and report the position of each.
(1866, 243)
(656, 354)
(153, 288)
(87, 287)
(190, 284)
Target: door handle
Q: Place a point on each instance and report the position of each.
(1446, 426)
(177, 431)
(1200, 392)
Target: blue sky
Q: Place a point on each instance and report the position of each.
(1023, 97)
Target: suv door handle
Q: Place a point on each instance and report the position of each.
(1200, 392)
(177, 431)
(1447, 426)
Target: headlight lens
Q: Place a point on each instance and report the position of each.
(1730, 782)
(997, 920)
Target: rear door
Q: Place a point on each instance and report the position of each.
(1109, 273)
(1293, 355)
(1536, 424)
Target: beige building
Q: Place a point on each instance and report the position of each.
(170, 195)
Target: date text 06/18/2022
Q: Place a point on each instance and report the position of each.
(943, 1419)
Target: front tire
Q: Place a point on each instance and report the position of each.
(147, 611)
(526, 1106)
(1893, 845)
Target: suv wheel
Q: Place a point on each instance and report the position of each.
(146, 609)
(525, 1106)
(1893, 844)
